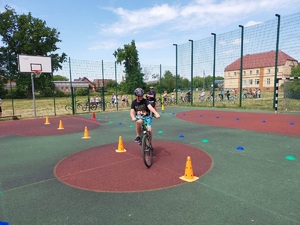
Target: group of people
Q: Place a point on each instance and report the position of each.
(96, 100)
(256, 93)
(114, 100)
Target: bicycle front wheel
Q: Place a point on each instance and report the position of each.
(68, 107)
(147, 151)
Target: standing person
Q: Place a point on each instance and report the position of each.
(165, 97)
(221, 94)
(188, 96)
(172, 98)
(97, 100)
(123, 100)
(0, 107)
(141, 107)
(182, 96)
(151, 97)
(202, 95)
(126, 100)
(258, 93)
(228, 94)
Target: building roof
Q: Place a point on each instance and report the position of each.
(85, 79)
(260, 60)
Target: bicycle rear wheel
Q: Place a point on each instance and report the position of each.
(147, 151)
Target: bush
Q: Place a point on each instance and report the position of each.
(59, 93)
(82, 92)
(47, 92)
(17, 93)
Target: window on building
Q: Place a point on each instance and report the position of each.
(234, 73)
(244, 82)
(250, 72)
(269, 71)
(250, 82)
(256, 81)
(268, 81)
(244, 73)
(228, 74)
(257, 71)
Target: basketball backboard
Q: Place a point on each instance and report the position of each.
(29, 64)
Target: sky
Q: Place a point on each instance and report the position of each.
(94, 29)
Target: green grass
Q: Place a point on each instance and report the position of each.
(46, 107)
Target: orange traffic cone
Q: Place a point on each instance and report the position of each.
(121, 146)
(86, 133)
(61, 127)
(47, 121)
(188, 173)
(94, 116)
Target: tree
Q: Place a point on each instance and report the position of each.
(60, 78)
(130, 59)
(295, 72)
(168, 82)
(24, 34)
(112, 84)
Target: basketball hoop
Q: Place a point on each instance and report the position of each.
(36, 73)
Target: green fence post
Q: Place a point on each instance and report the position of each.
(214, 69)
(241, 64)
(276, 58)
(192, 71)
(71, 87)
(103, 96)
(176, 72)
(116, 86)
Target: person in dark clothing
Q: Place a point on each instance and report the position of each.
(151, 97)
(141, 107)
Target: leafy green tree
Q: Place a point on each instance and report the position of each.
(168, 82)
(133, 72)
(24, 34)
(295, 72)
(292, 87)
(60, 78)
(111, 85)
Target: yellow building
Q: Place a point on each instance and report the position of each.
(258, 71)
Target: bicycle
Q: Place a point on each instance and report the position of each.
(92, 106)
(147, 149)
(78, 106)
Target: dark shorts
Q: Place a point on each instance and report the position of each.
(152, 103)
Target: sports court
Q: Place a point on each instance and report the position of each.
(247, 164)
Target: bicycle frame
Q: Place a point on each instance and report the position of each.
(147, 150)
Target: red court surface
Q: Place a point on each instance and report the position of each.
(101, 169)
(283, 124)
(37, 127)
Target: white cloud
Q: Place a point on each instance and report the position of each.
(252, 23)
(198, 13)
(132, 21)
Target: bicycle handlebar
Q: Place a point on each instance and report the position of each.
(143, 117)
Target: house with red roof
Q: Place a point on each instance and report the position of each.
(258, 71)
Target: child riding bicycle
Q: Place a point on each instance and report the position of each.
(141, 107)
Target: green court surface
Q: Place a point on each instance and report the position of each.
(254, 177)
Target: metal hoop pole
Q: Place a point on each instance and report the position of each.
(33, 95)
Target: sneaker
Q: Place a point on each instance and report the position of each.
(137, 139)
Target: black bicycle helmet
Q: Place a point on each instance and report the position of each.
(139, 92)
